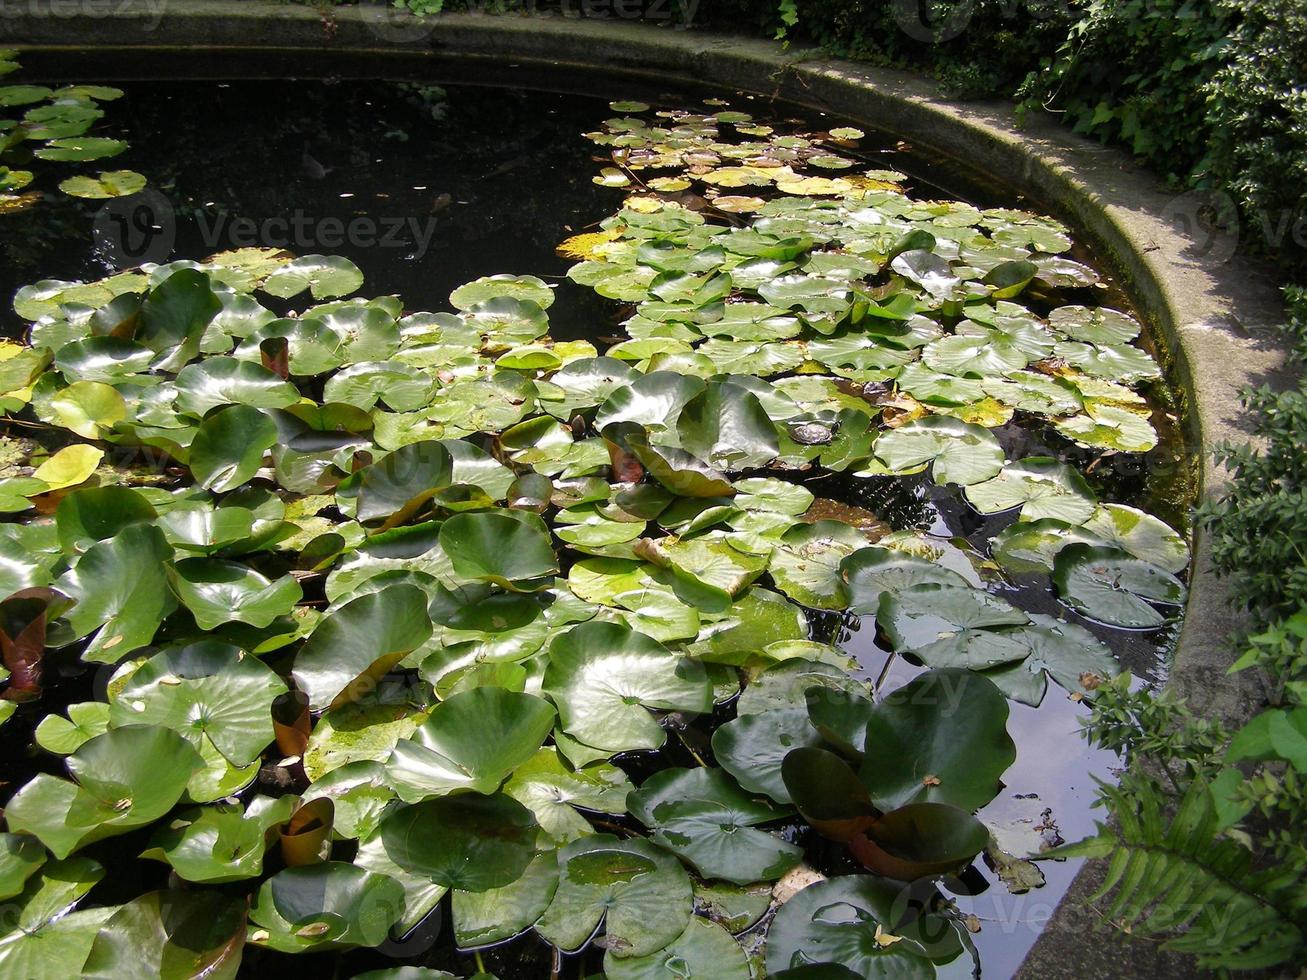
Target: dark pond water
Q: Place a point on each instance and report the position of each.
(426, 186)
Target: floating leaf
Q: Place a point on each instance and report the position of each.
(704, 818)
(204, 690)
(359, 642)
(605, 678)
(110, 183)
(469, 841)
(325, 906)
(640, 895)
(942, 738)
(471, 741)
(1112, 586)
(704, 951)
(960, 452)
(170, 934)
(125, 778)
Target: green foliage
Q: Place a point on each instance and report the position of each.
(1259, 525)
(1174, 875)
(1133, 72)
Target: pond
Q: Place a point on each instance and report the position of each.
(683, 441)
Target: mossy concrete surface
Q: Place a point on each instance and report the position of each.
(1211, 307)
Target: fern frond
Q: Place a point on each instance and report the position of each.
(1177, 876)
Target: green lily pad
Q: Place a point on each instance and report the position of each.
(942, 738)
(170, 934)
(926, 614)
(125, 778)
(725, 425)
(121, 592)
(471, 741)
(510, 549)
(220, 843)
(640, 895)
(958, 451)
(605, 678)
(80, 148)
(1143, 535)
(1032, 546)
(752, 748)
(704, 951)
(325, 906)
(204, 690)
(324, 276)
(806, 565)
(1111, 586)
(872, 573)
(226, 381)
(357, 643)
(556, 793)
(229, 447)
(468, 841)
(1041, 487)
(842, 921)
(491, 287)
(704, 818)
(46, 940)
(110, 183)
(492, 916)
(218, 592)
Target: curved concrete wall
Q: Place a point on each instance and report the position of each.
(1212, 309)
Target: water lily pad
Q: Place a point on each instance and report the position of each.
(921, 840)
(170, 934)
(325, 906)
(357, 643)
(726, 425)
(605, 678)
(1143, 535)
(80, 148)
(640, 895)
(218, 592)
(1111, 586)
(1040, 486)
(226, 381)
(752, 748)
(942, 738)
(704, 951)
(471, 741)
(806, 565)
(121, 592)
(490, 287)
(872, 573)
(125, 778)
(220, 843)
(110, 183)
(555, 793)
(704, 818)
(959, 452)
(492, 916)
(229, 447)
(925, 614)
(1032, 546)
(849, 921)
(324, 276)
(204, 690)
(509, 548)
(468, 841)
